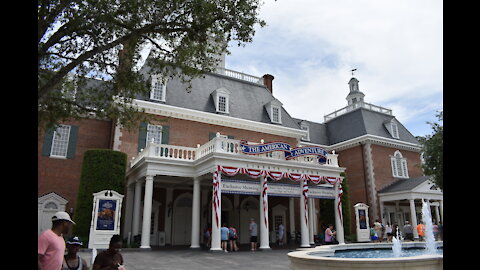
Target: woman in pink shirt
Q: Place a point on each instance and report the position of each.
(329, 233)
(51, 245)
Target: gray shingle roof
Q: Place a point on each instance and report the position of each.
(404, 184)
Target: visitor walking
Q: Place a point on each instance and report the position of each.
(421, 230)
(233, 236)
(408, 230)
(388, 231)
(111, 258)
(224, 237)
(330, 235)
(281, 232)
(378, 229)
(51, 245)
(253, 235)
(72, 261)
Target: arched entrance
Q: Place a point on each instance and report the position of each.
(248, 209)
(182, 220)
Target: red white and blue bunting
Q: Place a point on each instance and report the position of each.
(305, 199)
(265, 202)
(276, 176)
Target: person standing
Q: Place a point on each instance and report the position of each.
(281, 232)
(378, 229)
(233, 236)
(224, 237)
(435, 231)
(51, 245)
(111, 258)
(329, 235)
(408, 229)
(421, 230)
(72, 261)
(253, 235)
(440, 230)
(388, 231)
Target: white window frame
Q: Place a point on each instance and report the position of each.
(399, 165)
(306, 127)
(279, 114)
(226, 104)
(163, 82)
(157, 139)
(394, 127)
(55, 142)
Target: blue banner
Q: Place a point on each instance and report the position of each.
(106, 215)
(285, 147)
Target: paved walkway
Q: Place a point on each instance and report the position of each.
(201, 260)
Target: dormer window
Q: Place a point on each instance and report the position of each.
(304, 126)
(399, 165)
(221, 98)
(394, 127)
(274, 110)
(158, 89)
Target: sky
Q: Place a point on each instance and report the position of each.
(311, 46)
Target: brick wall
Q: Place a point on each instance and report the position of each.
(62, 176)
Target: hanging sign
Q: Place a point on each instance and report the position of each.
(290, 152)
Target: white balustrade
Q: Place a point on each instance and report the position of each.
(219, 144)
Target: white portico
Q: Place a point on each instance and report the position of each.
(192, 171)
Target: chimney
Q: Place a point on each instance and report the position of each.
(267, 81)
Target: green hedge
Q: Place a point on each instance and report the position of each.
(101, 169)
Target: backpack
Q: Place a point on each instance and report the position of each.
(232, 233)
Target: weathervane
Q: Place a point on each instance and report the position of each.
(353, 70)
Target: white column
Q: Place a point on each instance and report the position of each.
(310, 221)
(303, 223)
(215, 245)
(291, 209)
(437, 214)
(264, 239)
(441, 210)
(413, 215)
(195, 243)
(338, 221)
(168, 215)
(147, 212)
(127, 233)
(136, 208)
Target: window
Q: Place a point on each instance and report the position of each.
(275, 114)
(154, 133)
(60, 141)
(159, 88)
(304, 126)
(394, 127)
(222, 104)
(274, 110)
(399, 165)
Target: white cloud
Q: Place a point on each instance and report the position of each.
(310, 46)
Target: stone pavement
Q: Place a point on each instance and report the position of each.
(187, 259)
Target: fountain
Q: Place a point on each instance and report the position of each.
(430, 246)
(397, 245)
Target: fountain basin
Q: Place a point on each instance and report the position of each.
(321, 258)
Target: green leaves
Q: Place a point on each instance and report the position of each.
(433, 152)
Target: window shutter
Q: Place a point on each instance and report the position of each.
(47, 142)
(165, 134)
(72, 142)
(142, 136)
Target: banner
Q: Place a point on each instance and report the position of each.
(106, 215)
(290, 152)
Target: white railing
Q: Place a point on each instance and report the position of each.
(355, 106)
(219, 144)
(239, 75)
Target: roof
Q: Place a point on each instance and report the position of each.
(404, 184)
(361, 122)
(318, 132)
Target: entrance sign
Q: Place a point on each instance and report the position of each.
(290, 152)
(363, 228)
(244, 187)
(105, 221)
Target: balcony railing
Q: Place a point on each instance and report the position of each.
(239, 75)
(355, 106)
(219, 144)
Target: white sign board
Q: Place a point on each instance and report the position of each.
(107, 206)
(362, 221)
(274, 189)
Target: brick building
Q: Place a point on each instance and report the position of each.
(203, 133)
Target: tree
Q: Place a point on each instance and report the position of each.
(433, 152)
(78, 39)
